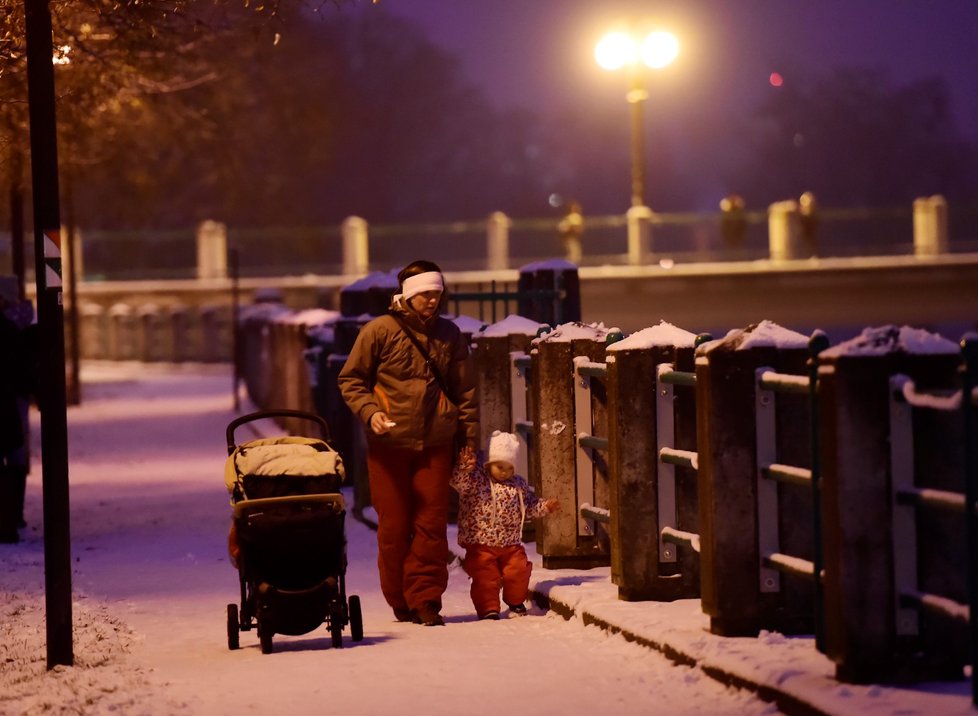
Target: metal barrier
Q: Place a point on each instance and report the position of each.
(667, 377)
(743, 514)
(908, 501)
(587, 445)
(771, 473)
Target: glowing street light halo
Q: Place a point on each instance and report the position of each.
(615, 50)
(659, 49)
(619, 49)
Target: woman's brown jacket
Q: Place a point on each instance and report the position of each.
(385, 371)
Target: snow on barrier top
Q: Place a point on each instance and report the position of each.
(513, 325)
(661, 334)
(884, 340)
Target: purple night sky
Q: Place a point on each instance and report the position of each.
(534, 53)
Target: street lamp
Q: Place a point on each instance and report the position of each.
(618, 50)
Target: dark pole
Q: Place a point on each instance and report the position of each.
(73, 391)
(17, 223)
(51, 339)
(636, 96)
(235, 334)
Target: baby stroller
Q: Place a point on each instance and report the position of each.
(287, 538)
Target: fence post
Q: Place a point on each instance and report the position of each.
(636, 521)
(930, 226)
(212, 250)
(785, 237)
(492, 361)
(639, 219)
(555, 444)
(497, 241)
(862, 460)
(356, 246)
(732, 593)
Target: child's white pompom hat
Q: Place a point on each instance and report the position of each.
(503, 447)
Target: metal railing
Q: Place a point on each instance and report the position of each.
(908, 500)
(771, 473)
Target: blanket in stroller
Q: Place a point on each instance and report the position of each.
(282, 466)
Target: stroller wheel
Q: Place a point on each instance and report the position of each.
(233, 626)
(336, 624)
(356, 619)
(264, 638)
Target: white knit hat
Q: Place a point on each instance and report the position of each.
(503, 447)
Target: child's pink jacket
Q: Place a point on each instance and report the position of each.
(492, 513)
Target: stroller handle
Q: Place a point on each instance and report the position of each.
(274, 413)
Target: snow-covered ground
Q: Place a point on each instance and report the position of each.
(151, 580)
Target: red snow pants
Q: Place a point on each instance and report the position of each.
(492, 568)
(409, 490)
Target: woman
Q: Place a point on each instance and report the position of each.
(409, 379)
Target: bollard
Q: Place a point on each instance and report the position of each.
(370, 295)
(733, 594)
(785, 236)
(278, 364)
(559, 540)
(212, 250)
(149, 333)
(297, 389)
(122, 332)
(254, 337)
(867, 451)
(356, 246)
(930, 236)
(215, 334)
(320, 341)
(640, 567)
(288, 335)
(539, 281)
(179, 348)
(497, 241)
(639, 220)
(94, 332)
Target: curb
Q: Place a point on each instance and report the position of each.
(786, 703)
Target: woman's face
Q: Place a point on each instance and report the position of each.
(425, 304)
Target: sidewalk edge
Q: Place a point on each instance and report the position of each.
(787, 703)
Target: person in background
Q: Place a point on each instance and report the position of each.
(409, 379)
(493, 504)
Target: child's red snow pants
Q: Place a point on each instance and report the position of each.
(495, 567)
(409, 490)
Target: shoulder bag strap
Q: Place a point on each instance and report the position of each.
(424, 354)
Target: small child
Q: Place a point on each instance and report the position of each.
(493, 503)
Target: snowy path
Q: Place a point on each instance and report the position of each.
(149, 525)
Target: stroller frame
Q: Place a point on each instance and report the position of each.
(280, 591)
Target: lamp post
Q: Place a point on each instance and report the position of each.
(618, 50)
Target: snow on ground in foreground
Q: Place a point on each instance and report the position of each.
(151, 581)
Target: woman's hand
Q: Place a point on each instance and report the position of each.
(380, 423)
(551, 506)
